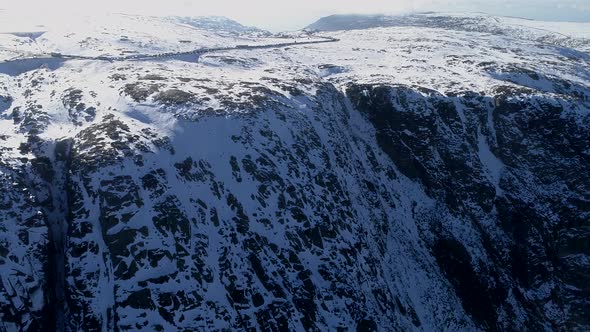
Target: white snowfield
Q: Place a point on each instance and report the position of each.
(119, 35)
(527, 26)
(194, 125)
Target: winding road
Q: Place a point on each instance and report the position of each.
(196, 52)
(17, 66)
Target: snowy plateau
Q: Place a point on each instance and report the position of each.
(426, 172)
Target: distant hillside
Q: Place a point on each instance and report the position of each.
(217, 23)
(572, 35)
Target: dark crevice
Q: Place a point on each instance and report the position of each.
(58, 219)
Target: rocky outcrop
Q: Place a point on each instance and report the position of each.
(23, 247)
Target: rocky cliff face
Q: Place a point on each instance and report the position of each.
(400, 179)
(468, 152)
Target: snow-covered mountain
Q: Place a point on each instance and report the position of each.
(572, 35)
(120, 35)
(403, 177)
(219, 24)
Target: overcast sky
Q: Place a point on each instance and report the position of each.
(294, 14)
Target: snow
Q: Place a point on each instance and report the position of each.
(239, 95)
(492, 164)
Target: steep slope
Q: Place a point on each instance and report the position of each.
(403, 178)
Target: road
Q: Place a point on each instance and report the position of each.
(196, 52)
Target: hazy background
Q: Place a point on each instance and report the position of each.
(294, 14)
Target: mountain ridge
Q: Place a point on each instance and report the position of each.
(399, 178)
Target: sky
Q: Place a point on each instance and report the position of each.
(278, 15)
